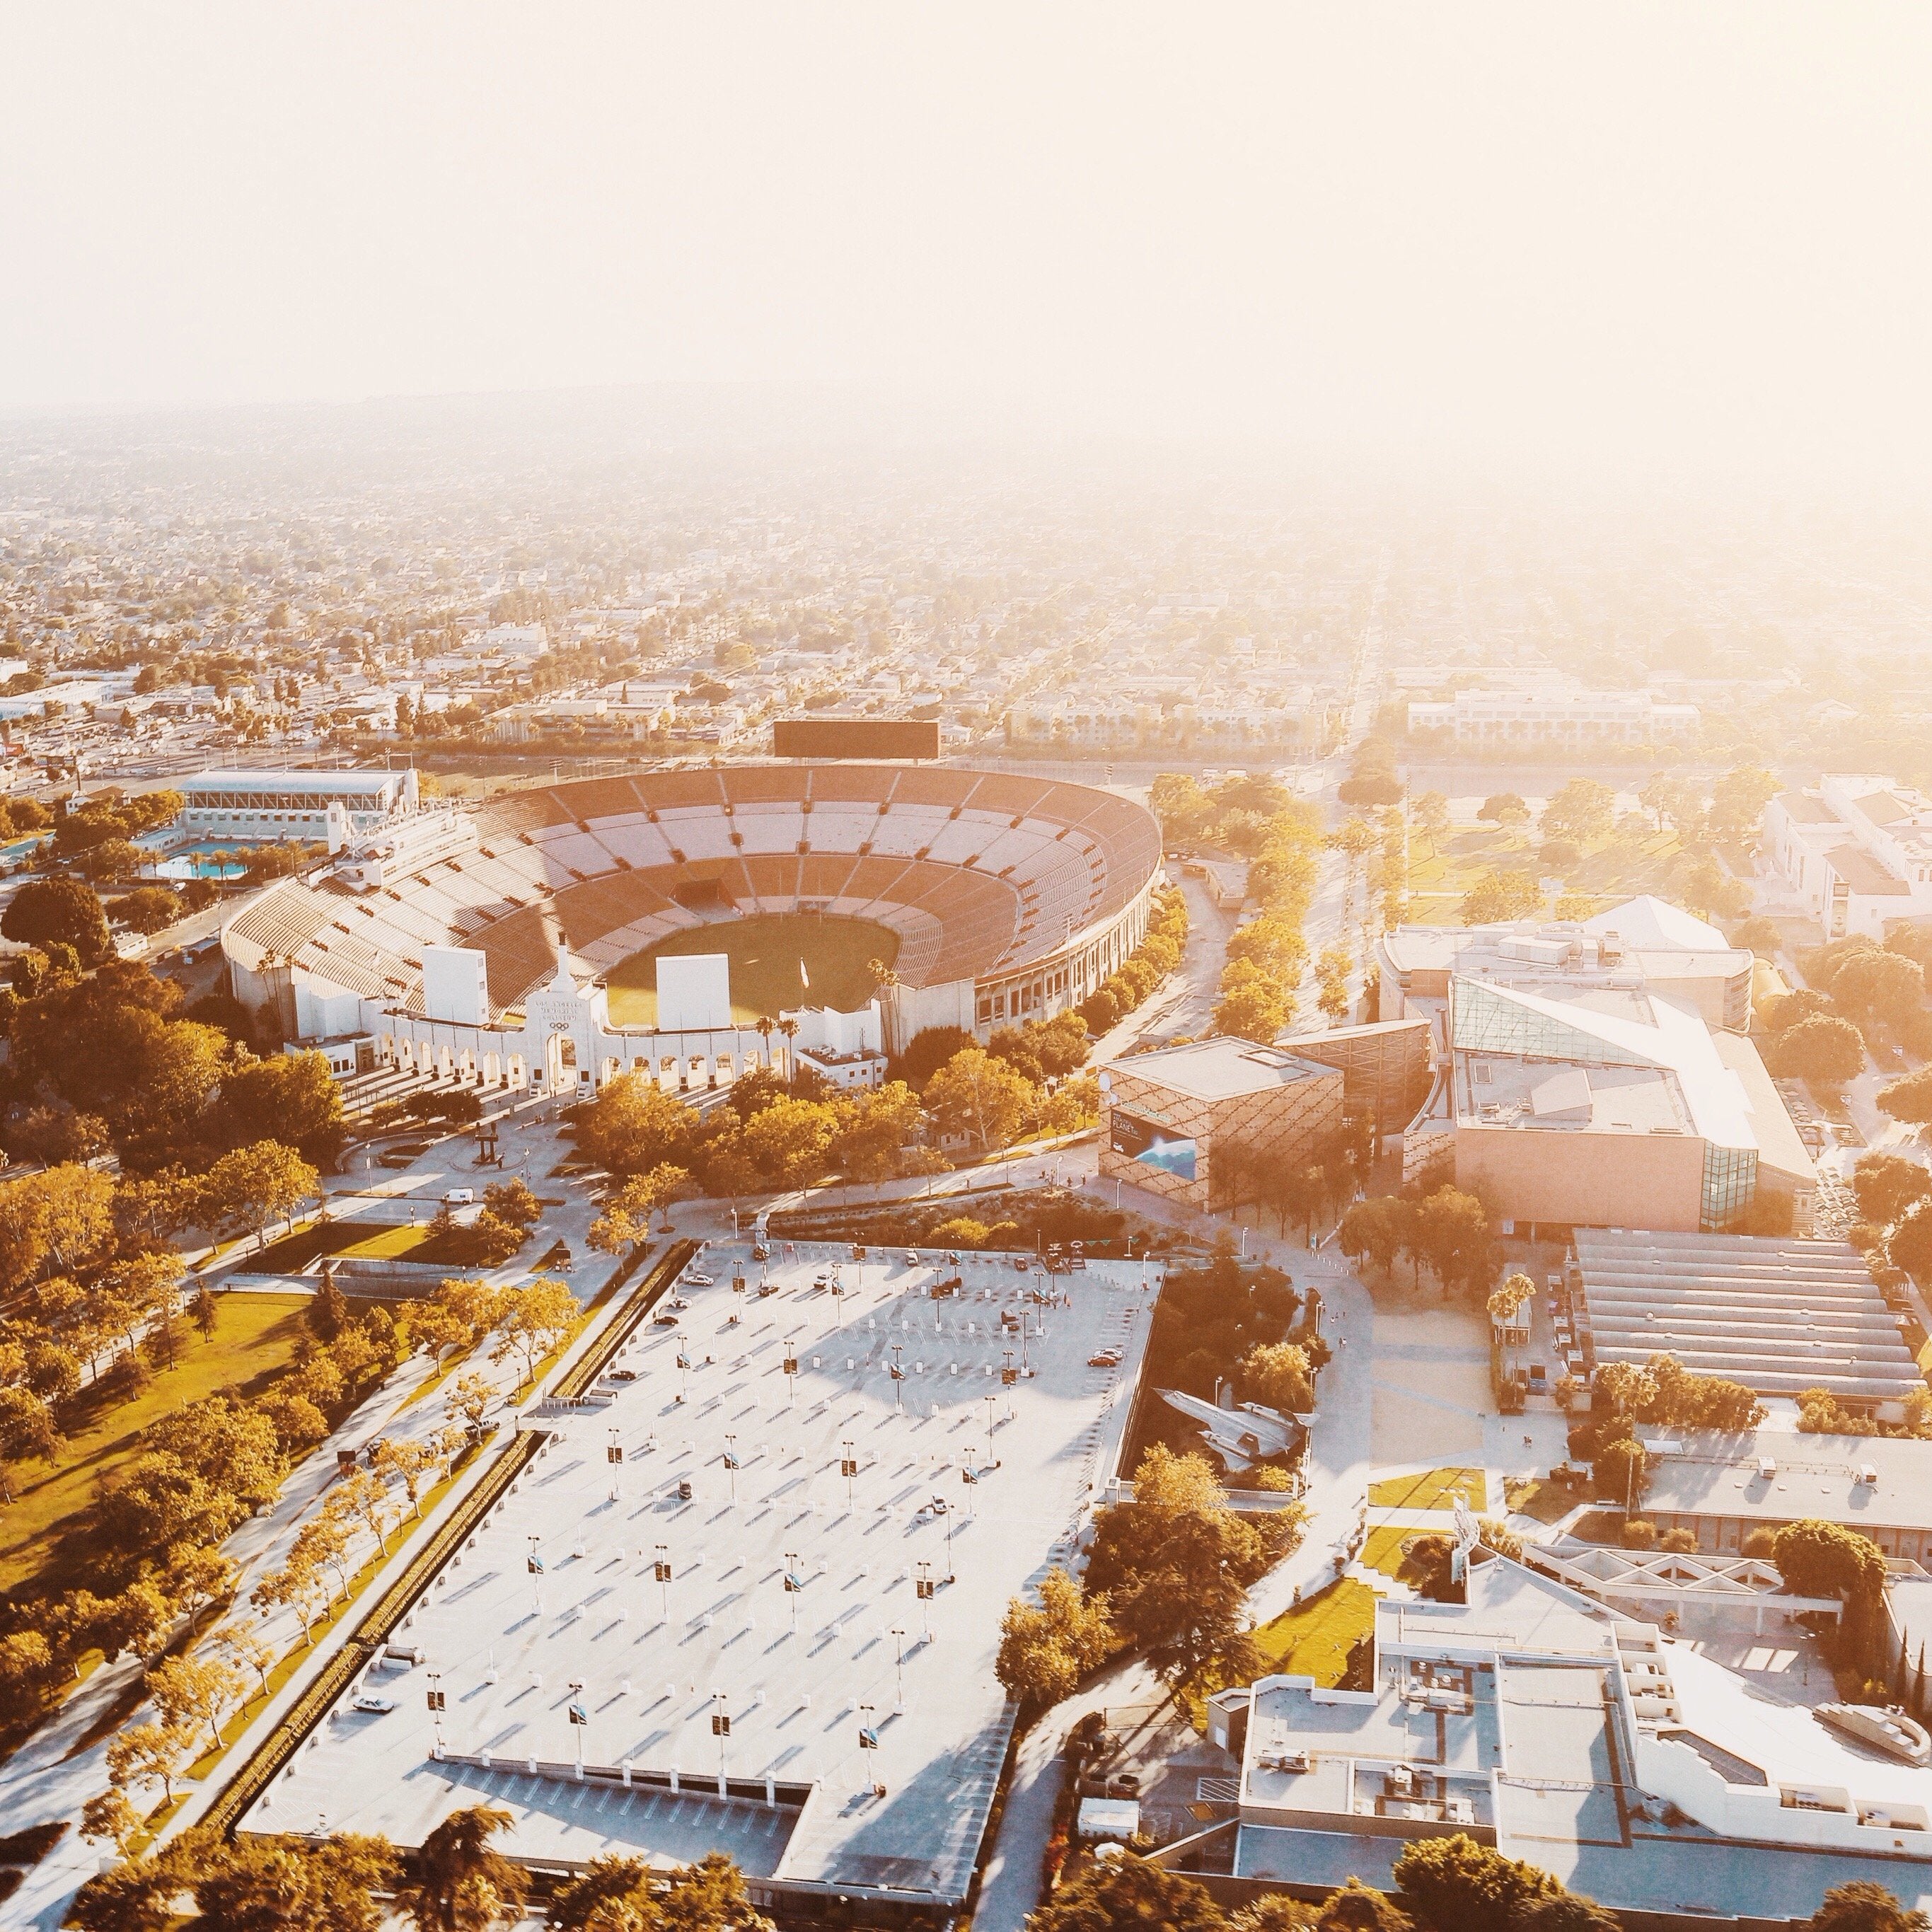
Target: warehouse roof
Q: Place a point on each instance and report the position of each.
(1779, 1316)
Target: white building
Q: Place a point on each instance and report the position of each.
(1638, 1771)
(1857, 851)
(315, 806)
(1555, 715)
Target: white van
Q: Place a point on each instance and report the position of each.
(459, 1197)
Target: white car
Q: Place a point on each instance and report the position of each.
(693, 1278)
(373, 1706)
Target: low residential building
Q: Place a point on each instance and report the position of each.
(1781, 1316)
(1554, 715)
(1857, 852)
(1531, 1719)
(1721, 1487)
(1170, 1114)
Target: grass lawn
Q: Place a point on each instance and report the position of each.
(1611, 871)
(256, 1336)
(1433, 1490)
(1313, 1639)
(1547, 1502)
(389, 1244)
(1383, 1549)
(766, 953)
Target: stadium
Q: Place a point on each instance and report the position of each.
(517, 943)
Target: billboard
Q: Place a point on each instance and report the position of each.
(855, 738)
(1152, 1146)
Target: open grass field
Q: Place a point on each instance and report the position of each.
(255, 1338)
(387, 1244)
(1611, 871)
(1382, 1550)
(1433, 1490)
(1313, 1639)
(766, 952)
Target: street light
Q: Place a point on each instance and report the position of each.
(661, 1567)
(991, 1400)
(898, 1667)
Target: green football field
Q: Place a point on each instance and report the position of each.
(766, 953)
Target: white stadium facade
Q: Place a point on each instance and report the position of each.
(476, 942)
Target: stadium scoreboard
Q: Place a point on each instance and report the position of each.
(895, 738)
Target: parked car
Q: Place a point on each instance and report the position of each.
(1104, 1358)
(372, 1706)
(623, 1375)
(692, 1278)
(459, 1197)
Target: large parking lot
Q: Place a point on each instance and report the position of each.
(846, 1486)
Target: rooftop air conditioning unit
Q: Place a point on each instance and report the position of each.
(1868, 1474)
(1767, 1467)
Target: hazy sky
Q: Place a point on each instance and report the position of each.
(1696, 228)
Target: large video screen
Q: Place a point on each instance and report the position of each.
(1152, 1146)
(855, 738)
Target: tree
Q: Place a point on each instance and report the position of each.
(1739, 798)
(625, 1224)
(323, 1544)
(63, 1218)
(1376, 1229)
(1581, 812)
(192, 1691)
(328, 1311)
(1253, 1005)
(539, 1315)
(1455, 1885)
(621, 1895)
(1880, 985)
(198, 1577)
(150, 1753)
(1818, 1558)
(409, 1461)
(290, 1097)
(634, 1126)
(29, 1433)
(1497, 896)
(363, 1497)
(978, 1097)
(1427, 1567)
(1129, 1893)
(1621, 1468)
(1431, 812)
(791, 1140)
(1910, 1245)
(1453, 1230)
(460, 1883)
(1887, 1186)
(1275, 1375)
(929, 1050)
(257, 1184)
(298, 1586)
(149, 909)
(1908, 1099)
(1176, 1563)
(1864, 1905)
(1823, 1049)
(138, 1897)
(62, 911)
(108, 1815)
(514, 1202)
(1504, 808)
(1046, 1648)
(1357, 1907)
(251, 1653)
(269, 1885)
(468, 1399)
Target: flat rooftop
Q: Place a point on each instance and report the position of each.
(1702, 1472)
(1538, 1712)
(1223, 1068)
(800, 1672)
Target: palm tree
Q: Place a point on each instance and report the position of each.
(458, 1883)
(789, 1029)
(765, 1023)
